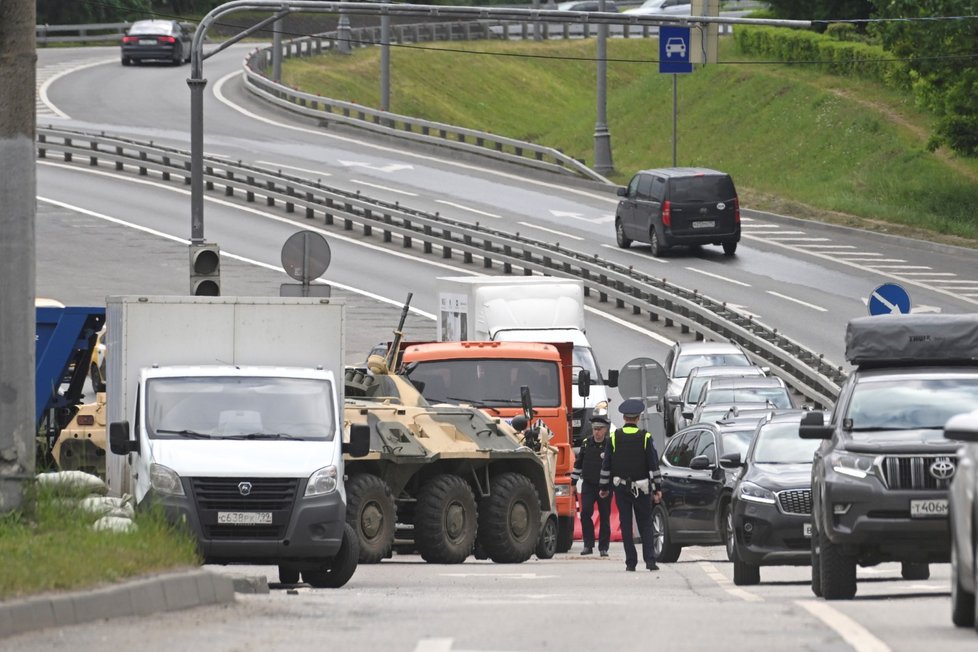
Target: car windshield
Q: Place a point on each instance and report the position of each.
(778, 443)
(778, 396)
(701, 188)
(685, 363)
(911, 403)
(487, 382)
(737, 441)
(223, 407)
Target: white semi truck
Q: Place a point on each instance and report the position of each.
(526, 309)
(227, 412)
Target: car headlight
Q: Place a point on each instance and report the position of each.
(165, 480)
(755, 493)
(562, 490)
(853, 465)
(322, 482)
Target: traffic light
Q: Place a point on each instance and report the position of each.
(205, 270)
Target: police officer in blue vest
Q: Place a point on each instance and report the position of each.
(631, 468)
(587, 477)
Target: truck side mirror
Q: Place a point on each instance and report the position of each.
(584, 383)
(813, 426)
(612, 378)
(359, 444)
(119, 440)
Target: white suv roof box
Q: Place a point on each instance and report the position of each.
(894, 339)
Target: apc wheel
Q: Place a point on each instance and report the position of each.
(565, 533)
(729, 248)
(962, 602)
(913, 571)
(816, 565)
(509, 521)
(655, 244)
(620, 238)
(838, 571)
(340, 568)
(371, 513)
(445, 520)
(288, 575)
(665, 550)
(547, 545)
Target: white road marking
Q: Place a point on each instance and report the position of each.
(851, 632)
(467, 208)
(385, 188)
(392, 167)
(947, 281)
(760, 232)
(560, 233)
(798, 301)
(743, 310)
(434, 645)
(801, 239)
(581, 218)
(929, 274)
(831, 246)
(292, 167)
(727, 585)
(718, 277)
(508, 576)
(902, 267)
(42, 91)
(638, 329)
(636, 253)
(875, 260)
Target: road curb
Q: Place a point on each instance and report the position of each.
(138, 597)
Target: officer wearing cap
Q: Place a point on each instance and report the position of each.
(631, 468)
(587, 477)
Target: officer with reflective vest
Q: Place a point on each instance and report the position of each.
(587, 478)
(631, 468)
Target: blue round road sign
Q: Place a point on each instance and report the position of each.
(889, 299)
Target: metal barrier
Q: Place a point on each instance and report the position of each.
(93, 33)
(806, 371)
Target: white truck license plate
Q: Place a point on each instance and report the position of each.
(936, 508)
(704, 224)
(244, 518)
(806, 530)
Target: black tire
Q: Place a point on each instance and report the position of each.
(914, 571)
(620, 238)
(665, 550)
(509, 519)
(962, 602)
(445, 520)
(816, 565)
(838, 571)
(178, 55)
(126, 61)
(95, 376)
(340, 568)
(729, 248)
(728, 532)
(371, 512)
(288, 575)
(565, 533)
(745, 574)
(547, 545)
(655, 244)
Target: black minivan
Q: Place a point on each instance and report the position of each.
(679, 206)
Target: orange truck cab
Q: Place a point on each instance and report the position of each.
(489, 375)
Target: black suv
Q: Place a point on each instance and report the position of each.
(880, 478)
(679, 206)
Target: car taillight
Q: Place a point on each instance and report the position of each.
(666, 214)
(167, 39)
(736, 210)
(130, 39)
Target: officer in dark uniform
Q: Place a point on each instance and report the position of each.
(631, 468)
(587, 476)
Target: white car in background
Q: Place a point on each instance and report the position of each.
(670, 7)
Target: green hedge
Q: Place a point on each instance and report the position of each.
(844, 58)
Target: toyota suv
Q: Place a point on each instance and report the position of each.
(880, 478)
(679, 206)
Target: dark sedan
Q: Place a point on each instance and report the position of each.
(156, 40)
(962, 508)
(772, 501)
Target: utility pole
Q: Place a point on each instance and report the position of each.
(18, 190)
(602, 136)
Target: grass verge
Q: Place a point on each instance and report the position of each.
(50, 546)
(795, 141)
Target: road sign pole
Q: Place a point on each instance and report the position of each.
(675, 109)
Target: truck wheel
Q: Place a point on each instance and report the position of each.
(565, 533)
(746, 574)
(914, 571)
(547, 545)
(445, 520)
(340, 568)
(665, 550)
(838, 571)
(962, 602)
(509, 521)
(288, 575)
(371, 512)
(816, 565)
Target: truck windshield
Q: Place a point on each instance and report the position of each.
(487, 382)
(233, 407)
(911, 403)
(584, 360)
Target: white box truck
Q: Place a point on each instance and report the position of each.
(227, 413)
(526, 309)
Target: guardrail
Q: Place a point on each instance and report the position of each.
(807, 372)
(92, 33)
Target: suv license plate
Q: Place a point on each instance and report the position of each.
(806, 530)
(244, 518)
(936, 508)
(704, 224)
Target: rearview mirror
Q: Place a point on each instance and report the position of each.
(119, 441)
(730, 461)
(962, 427)
(612, 378)
(584, 383)
(813, 426)
(700, 463)
(622, 191)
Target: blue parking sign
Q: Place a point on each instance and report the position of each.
(674, 50)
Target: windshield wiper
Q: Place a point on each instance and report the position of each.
(263, 435)
(190, 434)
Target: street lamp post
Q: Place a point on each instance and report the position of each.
(602, 137)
